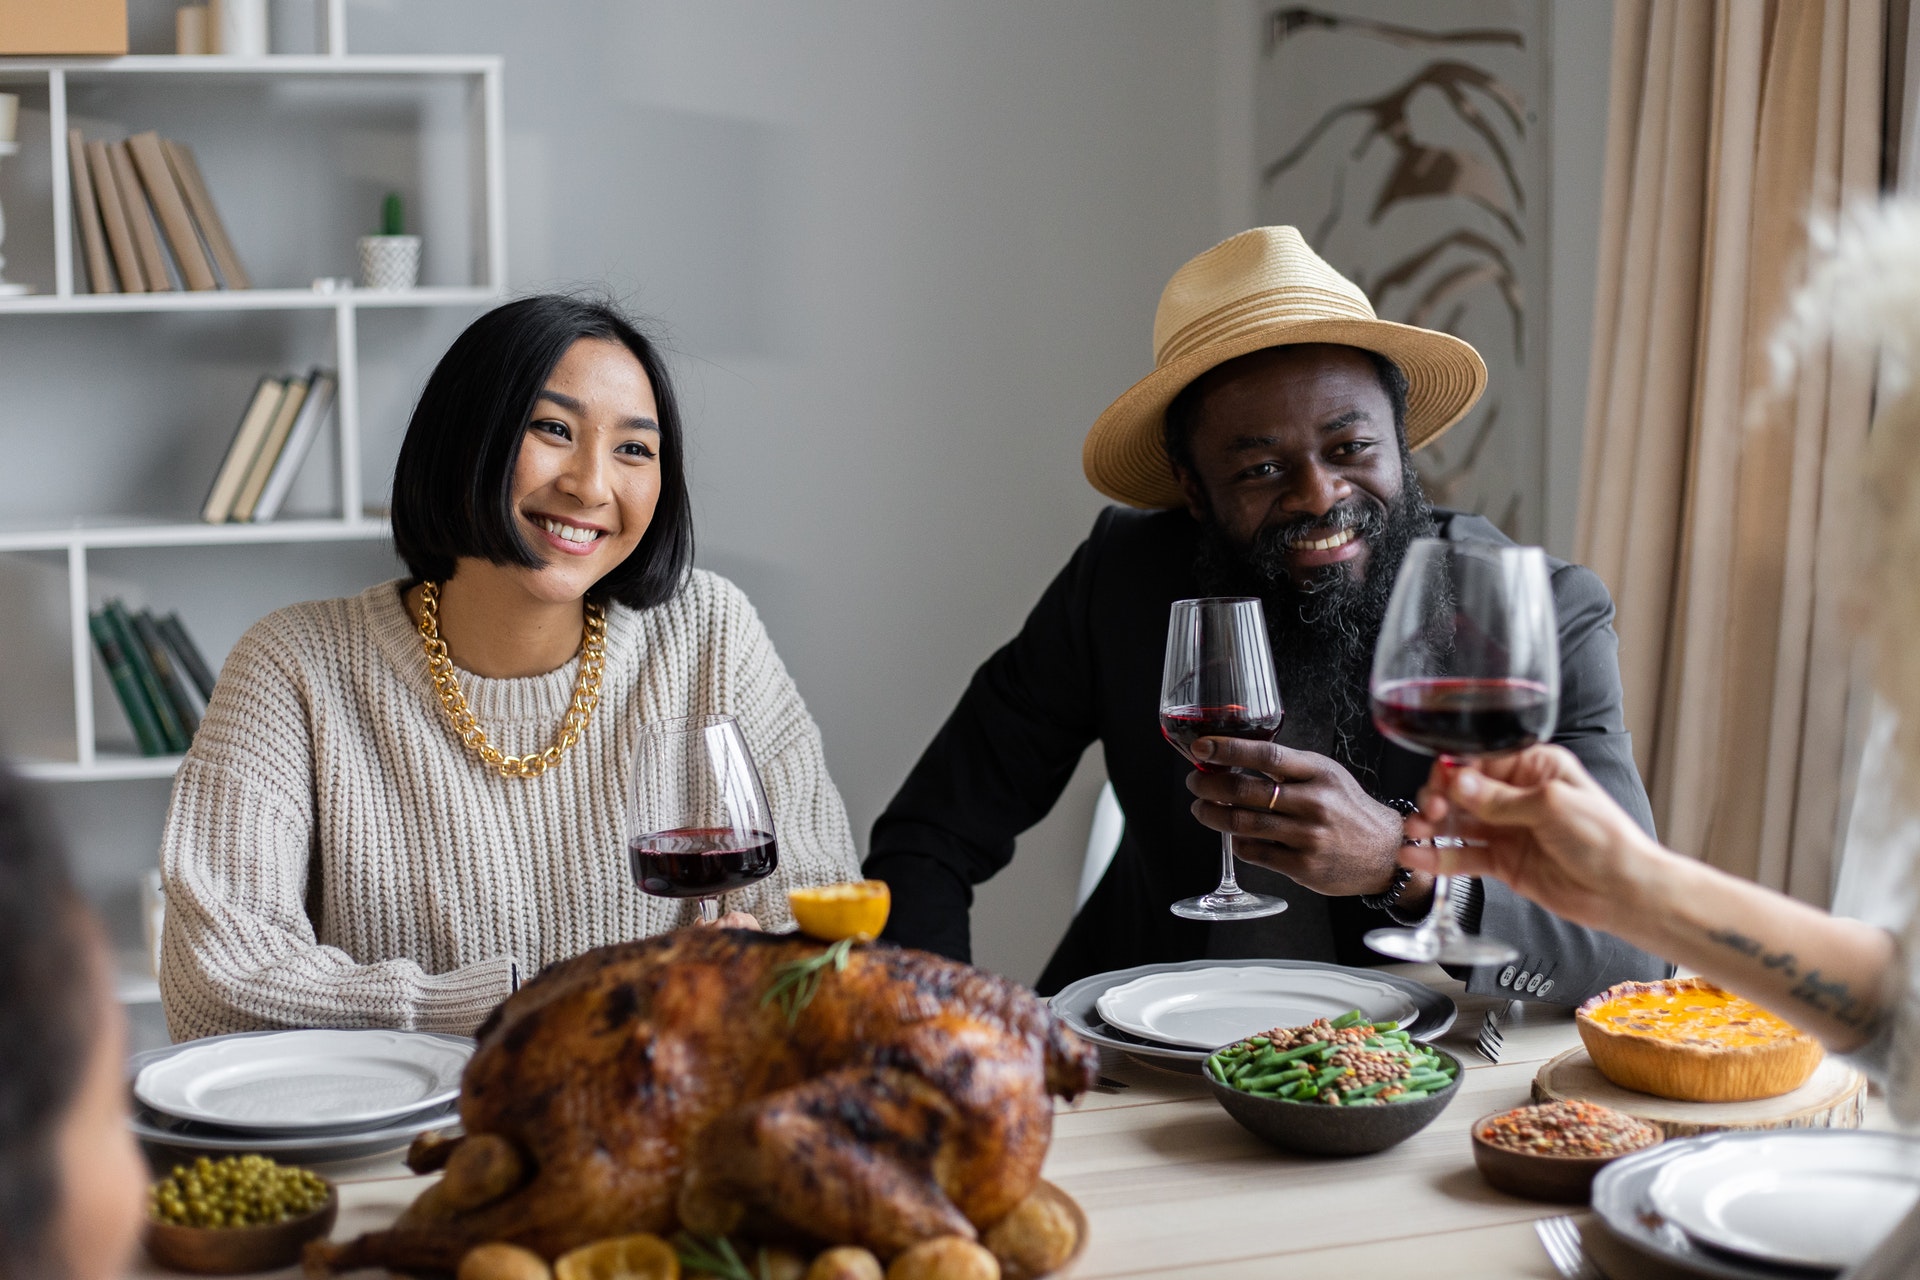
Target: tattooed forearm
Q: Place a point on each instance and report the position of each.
(1754, 949)
(1835, 999)
(1832, 997)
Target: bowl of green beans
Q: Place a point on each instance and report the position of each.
(1335, 1087)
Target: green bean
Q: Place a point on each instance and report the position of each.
(1301, 1051)
(1367, 1091)
(1386, 1026)
(1347, 1019)
(1408, 1096)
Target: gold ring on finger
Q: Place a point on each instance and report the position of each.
(1273, 799)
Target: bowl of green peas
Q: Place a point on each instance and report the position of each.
(236, 1214)
(1336, 1087)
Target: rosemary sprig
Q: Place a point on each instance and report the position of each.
(715, 1256)
(798, 981)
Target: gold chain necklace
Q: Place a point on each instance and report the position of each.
(586, 691)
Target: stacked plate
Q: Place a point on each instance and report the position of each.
(1753, 1206)
(1176, 1014)
(299, 1095)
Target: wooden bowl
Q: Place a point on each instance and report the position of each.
(1536, 1176)
(1313, 1128)
(226, 1251)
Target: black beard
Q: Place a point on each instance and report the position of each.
(1323, 629)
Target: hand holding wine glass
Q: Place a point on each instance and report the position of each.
(1467, 666)
(1218, 681)
(698, 820)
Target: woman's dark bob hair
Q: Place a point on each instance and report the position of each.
(453, 484)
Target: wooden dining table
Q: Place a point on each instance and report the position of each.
(1172, 1186)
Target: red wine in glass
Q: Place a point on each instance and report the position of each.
(698, 822)
(1218, 681)
(1467, 666)
(1183, 726)
(1463, 716)
(698, 862)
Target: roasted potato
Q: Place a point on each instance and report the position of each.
(945, 1258)
(1037, 1237)
(778, 1264)
(502, 1261)
(845, 1263)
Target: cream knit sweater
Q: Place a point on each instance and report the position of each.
(334, 857)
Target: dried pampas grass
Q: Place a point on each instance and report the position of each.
(1862, 296)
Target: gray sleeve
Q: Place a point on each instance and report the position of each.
(1559, 962)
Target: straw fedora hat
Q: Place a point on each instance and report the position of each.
(1263, 288)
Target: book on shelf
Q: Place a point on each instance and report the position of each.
(314, 408)
(196, 272)
(188, 706)
(186, 170)
(86, 212)
(120, 189)
(159, 675)
(271, 446)
(113, 215)
(191, 660)
(146, 240)
(242, 450)
(172, 732)
(126, 684)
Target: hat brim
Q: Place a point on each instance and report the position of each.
(1125, 454)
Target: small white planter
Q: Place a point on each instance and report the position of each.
(389, 262)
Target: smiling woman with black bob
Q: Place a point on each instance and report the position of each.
(338, 852)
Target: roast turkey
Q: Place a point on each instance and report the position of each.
(652, 1086)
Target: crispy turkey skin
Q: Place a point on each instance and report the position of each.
(647, 1086)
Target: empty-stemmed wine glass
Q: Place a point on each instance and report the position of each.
(698, 824)
(1218, 682)
(1467, 666)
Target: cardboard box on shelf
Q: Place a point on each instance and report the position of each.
(63, 27)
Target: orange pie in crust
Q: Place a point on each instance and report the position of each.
(1686, 1039)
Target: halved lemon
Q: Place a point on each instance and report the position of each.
(635, 1257)
(830, 912)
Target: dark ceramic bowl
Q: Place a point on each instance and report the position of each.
(1315, 1129)
(1534, 1176)
(226, 1251)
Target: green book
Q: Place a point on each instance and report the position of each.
(188, 705)
(172, 733)
(127, 685)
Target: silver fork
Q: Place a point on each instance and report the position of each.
(1491, 1040)
(1561, 1239)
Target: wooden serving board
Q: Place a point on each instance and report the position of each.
(1834, 1098)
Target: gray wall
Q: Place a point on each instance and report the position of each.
(903, 254)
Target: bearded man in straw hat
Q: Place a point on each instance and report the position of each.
(1269, 454)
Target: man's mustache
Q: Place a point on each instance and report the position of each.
(1271, 544)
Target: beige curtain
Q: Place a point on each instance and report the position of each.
(1722, 516)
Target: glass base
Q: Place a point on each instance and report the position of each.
(1445, 945)
(1229, 906)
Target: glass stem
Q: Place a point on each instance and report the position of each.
(1229, 883)
(709, 911)
(1445, 841)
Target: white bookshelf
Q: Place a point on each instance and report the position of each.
(74, 542)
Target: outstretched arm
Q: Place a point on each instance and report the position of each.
(1555, 837)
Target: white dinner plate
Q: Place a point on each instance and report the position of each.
(1206, 1008)
(1815, 1199)
(294, 1081)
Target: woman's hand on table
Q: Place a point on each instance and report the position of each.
(735, 920)
(1541, 824)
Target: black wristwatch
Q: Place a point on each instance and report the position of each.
(1389, 898)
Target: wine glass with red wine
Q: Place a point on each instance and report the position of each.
(1467, 666)
(1218, 683)
(698, 824)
